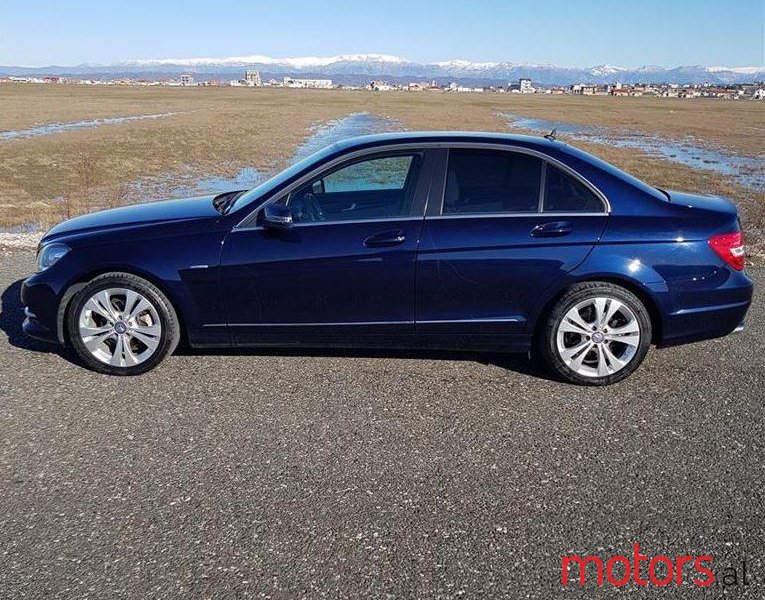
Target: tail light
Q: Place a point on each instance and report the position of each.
(730, 247)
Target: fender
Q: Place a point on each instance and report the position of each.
(607, 263)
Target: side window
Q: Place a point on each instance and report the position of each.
(491, 181)
(564, 193)
(378, 174)
(375, 188)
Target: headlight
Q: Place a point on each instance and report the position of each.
(49, 255)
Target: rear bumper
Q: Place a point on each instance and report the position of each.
(709, 314)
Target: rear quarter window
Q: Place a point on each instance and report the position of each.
(565, 193)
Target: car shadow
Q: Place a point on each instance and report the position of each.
(518, 363)
(12, 316)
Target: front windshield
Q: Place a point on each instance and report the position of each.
(282, 177)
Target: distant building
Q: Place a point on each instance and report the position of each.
(590, 89)
(380, 86)
(187, 80)
(308, 83)
(522, 87)
(252, 78)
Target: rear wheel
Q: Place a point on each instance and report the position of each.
(597, 333)
(121, 324)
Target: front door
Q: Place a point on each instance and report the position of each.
(344, 273)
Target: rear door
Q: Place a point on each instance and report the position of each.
(506, 224)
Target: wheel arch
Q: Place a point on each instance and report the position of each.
(631, 285)
(85, 278)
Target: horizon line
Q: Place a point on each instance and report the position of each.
(381, 57)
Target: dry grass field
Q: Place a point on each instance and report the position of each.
(219, 130)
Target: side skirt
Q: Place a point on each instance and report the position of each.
(516, 343)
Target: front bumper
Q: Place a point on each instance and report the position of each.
(41, 303)
(35, 329)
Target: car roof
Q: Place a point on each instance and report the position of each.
(447, 137)
(551, 147)
(555, 149)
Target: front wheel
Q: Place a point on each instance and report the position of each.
(597, 333)
(120, 324)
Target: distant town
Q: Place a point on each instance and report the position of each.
(252, 78)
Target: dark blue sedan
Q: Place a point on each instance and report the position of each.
(420, 240)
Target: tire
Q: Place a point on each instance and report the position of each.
(110, 341)
(587, 351)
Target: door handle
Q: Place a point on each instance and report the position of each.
(385, 238)
(552, 229)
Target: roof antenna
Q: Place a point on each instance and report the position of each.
(551, 136)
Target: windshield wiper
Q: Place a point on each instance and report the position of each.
(223, 202)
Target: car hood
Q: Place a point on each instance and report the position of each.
(168, 211)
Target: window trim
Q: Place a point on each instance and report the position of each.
(542, 188)
(429, 181)
(546, 159)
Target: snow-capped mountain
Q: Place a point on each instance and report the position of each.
(606, 70)
(360, 68)
(307, 62)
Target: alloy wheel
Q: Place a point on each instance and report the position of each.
(598, 337)
(120, 327)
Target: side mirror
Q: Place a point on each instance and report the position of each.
(277, 216)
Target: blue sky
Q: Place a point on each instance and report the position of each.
(626, 33)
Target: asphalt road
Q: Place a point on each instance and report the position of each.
(434, 475)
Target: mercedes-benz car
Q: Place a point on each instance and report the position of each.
(460, 241)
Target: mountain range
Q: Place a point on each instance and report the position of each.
(360, 68)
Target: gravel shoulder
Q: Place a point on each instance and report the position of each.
(231, 475)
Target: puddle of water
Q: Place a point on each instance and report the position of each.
(749, 171)
(190, 182)
(337, 130)
(23, 228)
(58, 127)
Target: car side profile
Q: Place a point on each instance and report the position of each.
(462, 241)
